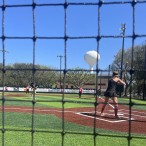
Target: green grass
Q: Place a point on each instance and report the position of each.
(137, 104)
(72, 100)
(50, 100)
(44, 139)
(48, 128)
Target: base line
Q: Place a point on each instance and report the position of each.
(101, 119)
(107, 102)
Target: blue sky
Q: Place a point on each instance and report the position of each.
(81, 21)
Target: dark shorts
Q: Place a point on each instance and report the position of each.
(110, 94)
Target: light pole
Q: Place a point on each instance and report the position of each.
(123, 27)
(144, 84)
(121, 87)
(4, 51)
(60, 59)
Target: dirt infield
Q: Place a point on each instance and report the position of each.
(88, 117)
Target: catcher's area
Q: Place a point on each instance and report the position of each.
(87, 116)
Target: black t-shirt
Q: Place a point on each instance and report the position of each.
(111, 89)
(111, 85)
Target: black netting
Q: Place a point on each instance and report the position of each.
(65, 38)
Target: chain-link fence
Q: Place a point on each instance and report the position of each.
(33, 40)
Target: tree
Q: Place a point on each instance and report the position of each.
(135, 67)
(78, 77)
(22, 74)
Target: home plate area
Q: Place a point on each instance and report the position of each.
(108, 116)
(134, 120)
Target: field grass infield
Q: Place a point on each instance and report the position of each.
(49, 130)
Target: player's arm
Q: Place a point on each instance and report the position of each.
(121, 82)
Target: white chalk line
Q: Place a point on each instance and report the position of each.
(121, 114)
(107, 102)
(79, 113)
(127, 110)
(28, 109)
(136, 115)
(127, 113)
(101, 119)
